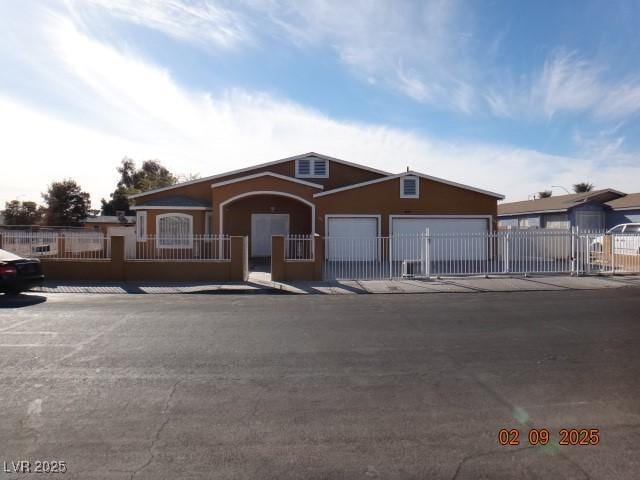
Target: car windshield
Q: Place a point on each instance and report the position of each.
(617, 229)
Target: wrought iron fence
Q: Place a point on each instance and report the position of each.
(484, 253)
(181, 248)
(57, 244)
(298, 247)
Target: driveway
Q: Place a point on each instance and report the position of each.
(320, 387)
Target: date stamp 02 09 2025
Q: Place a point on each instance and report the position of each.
(37, 466)
(541, 436)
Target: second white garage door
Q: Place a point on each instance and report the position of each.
(452, 238)
(352, 238)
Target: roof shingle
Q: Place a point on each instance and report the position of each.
(631, 200)
(559, 203)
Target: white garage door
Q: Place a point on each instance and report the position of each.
(451, 238)
(352, 238)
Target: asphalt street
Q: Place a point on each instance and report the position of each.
(319, 387)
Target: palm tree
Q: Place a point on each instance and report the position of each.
(545, 194)
(582, 187)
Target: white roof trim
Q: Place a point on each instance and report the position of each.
(623, 208)
(267, 174)
(167, 207)
(409, 173)
(261, 165)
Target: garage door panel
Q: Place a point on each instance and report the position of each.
(451, 238)
(352, 238)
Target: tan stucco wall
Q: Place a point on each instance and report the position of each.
(295, 270)
(237, 215)
(198, 219)
(118, 269)
(226, 192)
(383, 198)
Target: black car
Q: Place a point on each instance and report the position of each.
(18, 274)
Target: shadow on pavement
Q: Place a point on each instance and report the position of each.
(20, 300)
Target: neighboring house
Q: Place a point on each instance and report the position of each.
(624, 210)
(584, 210)
(104, 223)
(312, 194)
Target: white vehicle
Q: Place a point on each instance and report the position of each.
(625, 239)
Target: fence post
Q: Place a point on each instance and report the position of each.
(0, 240)
(118, 268)
(318, 257)
(60, 246)
(245, 258)
(390, 253)
(505, 253)
(277, 258)
(573, 253)
(237, 267)
(427, 250)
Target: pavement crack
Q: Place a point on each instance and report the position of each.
(159, 430)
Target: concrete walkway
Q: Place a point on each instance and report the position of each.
(262, 285)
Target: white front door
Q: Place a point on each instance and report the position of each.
(263, 227)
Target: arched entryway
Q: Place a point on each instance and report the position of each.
(259, 215)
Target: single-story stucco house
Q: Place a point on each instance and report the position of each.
(313, 194)
(595, 210)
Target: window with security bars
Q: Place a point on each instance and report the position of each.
(174, 230)
(409, 187)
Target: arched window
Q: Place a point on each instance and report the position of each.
(174, 230)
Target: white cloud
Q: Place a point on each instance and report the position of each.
(200, 22)
(417, 49)
(566, 83)
(422, 50)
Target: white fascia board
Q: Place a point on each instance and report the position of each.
(620, 209)
(267, 174)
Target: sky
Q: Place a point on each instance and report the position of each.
(511, 97)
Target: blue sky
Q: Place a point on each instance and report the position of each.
(512, 97)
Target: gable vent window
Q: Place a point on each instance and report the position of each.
(312, 168)
(320, 168)
(409, 187)
(304, 168)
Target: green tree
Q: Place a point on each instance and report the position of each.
(582, 187)
(21, 213)
(132, 180)
(66, 203)
(545, 194)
